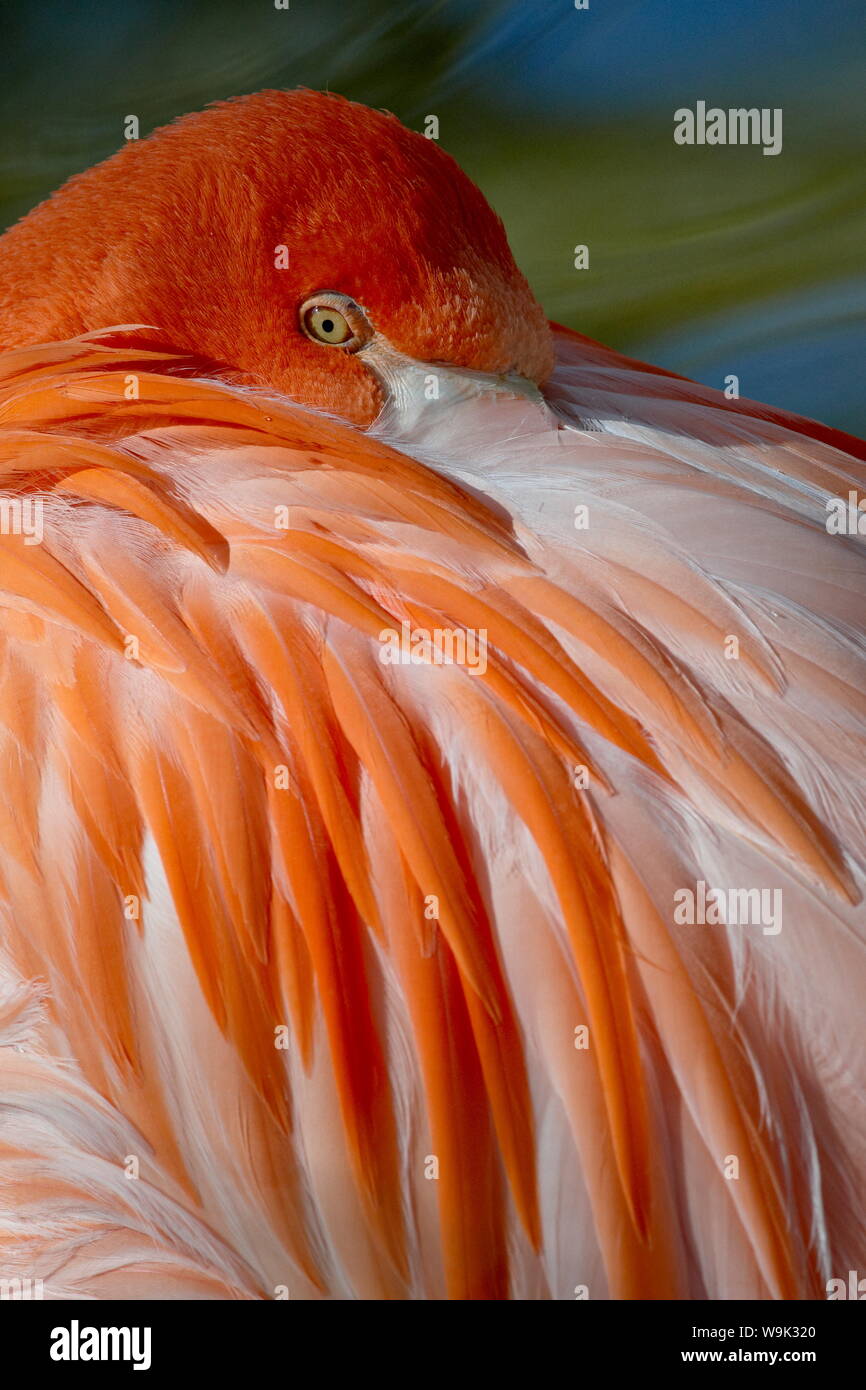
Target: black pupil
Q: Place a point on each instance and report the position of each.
(327, 325)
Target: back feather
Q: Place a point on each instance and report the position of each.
(309, 941)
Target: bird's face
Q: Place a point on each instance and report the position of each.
(390, 259)
(303, 243)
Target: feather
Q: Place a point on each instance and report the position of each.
(306, 922)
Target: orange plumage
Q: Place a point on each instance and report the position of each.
(372, 967)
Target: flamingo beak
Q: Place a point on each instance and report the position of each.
(423, 398)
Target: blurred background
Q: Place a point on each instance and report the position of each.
(706, 260)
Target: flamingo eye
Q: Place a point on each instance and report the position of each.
(328, 325)
(336, 320)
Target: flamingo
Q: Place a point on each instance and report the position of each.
(432, 743)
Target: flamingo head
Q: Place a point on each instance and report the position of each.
(297, 239)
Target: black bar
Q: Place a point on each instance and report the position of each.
(260, 1339)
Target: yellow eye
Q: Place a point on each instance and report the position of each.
(327, 325)
(335, 319)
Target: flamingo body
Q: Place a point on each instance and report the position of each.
(342, 976)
